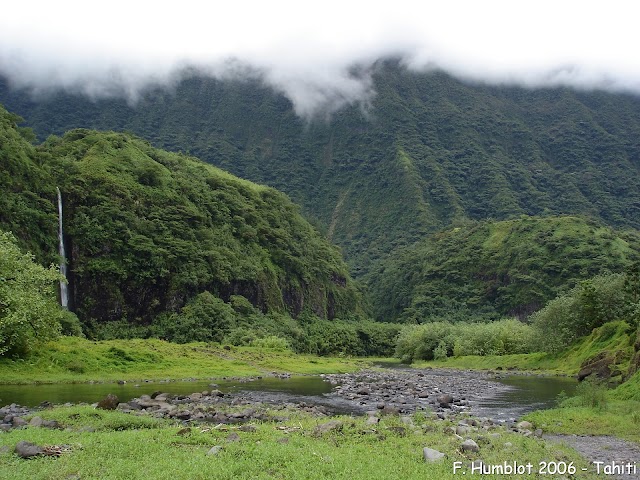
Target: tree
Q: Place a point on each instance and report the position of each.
(29, 311)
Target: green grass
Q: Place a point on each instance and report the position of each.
(618, 418)
(121, 447)
(72, 359)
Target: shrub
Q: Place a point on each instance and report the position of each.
(575, 314)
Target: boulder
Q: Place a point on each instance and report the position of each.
(28, 449)
(431, 455)
(215, 450)
(18, 422)
(333, 425)
(36, 422)
(110, 402)
(470, 446)
(524, 425)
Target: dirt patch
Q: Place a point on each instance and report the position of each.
(603, 449)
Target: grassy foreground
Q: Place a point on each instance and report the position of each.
(72, 359)
(126, 446)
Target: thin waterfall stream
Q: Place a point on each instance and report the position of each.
(64, 291)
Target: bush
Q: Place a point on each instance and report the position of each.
(589, 393)
(573, 315)
(29, 311)
(271, 343)
(438, 340)
(205, 318)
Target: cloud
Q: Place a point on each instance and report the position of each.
(319, 55)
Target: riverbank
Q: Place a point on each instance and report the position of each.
(75, 360)
(265, 441)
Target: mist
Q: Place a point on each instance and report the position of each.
(321, 56)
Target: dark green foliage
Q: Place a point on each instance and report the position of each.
(488, 269)
(148, 230)
(27, 197)
(205, 318)
(430, 151)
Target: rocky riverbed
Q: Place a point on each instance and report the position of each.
(454, 396)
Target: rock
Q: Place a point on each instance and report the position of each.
(402, 431)
(283, 440)
(233, 437)
(538, 433)
(601, 366)
(36, 422)
(363, 391)
(110, 402)
(431, 455)
(184, 415)
(50, 424)
(470, 446)
(122, 382)
(248, 428)
(195, 396)
(184, 431)
(372, 420)
(462, 430)
(28, 449)
(18, 422)
(216, 393)
(214, 450)
(524, 425)
(444, 400)
(333, 425)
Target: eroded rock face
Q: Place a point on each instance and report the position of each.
(603, 366)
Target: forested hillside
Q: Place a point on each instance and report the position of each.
(430, 154)
(430, 151)
(147, 231)
(486, 270)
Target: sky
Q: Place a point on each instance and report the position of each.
(310, 50)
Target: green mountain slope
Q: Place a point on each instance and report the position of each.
(147, 230)
(489, 269)
(430, 151)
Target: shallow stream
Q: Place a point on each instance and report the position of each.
(525, 393)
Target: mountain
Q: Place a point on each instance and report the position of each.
(429, 151)
(147, 230)
(489, 269)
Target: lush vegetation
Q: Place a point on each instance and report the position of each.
(118, 445)
(486, 270)
(430, 151)
(29, 310)
(593, 303)
(439, 340)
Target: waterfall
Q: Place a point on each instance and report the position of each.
(64, 292)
